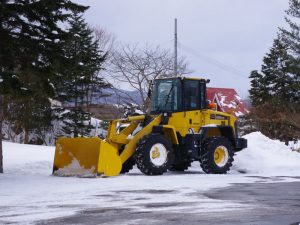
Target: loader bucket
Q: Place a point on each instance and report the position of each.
(85, 157)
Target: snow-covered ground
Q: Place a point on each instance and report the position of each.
(29, 193)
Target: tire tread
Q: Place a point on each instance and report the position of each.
(207, 163)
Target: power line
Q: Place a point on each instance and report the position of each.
(168, 42)
(213, 61)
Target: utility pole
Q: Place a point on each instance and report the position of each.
(175, 50)
(1, 120)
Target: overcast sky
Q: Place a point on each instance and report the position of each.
(223, 40)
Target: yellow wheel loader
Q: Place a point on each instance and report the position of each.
(180, 129)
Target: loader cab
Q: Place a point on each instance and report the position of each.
(178, 94)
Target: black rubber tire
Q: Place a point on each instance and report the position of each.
(180, 166)
(143, 160)
(208, 164)
(128, 165)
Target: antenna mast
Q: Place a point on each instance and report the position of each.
(175, 50)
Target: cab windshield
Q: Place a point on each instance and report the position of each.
(166, 95)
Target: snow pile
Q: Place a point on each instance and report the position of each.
(27, 159)
(266, 156)
(263, 156)
(75, 169)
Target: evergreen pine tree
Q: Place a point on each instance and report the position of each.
(277, 80)
(274, 94)
(83, 60)
(30, 40)
(35, 62)
(291, 37)
(258, 91)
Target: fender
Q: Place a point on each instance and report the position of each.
(167, 130)
(225, 131)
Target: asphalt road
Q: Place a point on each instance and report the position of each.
(258, 204)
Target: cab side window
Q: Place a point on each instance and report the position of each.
(192, 95)
(203, 100)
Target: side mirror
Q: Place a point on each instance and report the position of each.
(208, 81)
(149, 94)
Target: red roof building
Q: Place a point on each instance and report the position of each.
(227, 100)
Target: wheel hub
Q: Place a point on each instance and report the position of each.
(221, 156)
(155, 153)
(158, 154)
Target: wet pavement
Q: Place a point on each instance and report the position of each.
(240, 204)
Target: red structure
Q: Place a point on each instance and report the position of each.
(227, 100)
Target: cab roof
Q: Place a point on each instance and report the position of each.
(182, 78)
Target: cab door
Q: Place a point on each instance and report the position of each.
(194, 96)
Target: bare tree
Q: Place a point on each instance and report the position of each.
(138, 66)
(106, 42)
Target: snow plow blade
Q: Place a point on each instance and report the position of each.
(86, 157)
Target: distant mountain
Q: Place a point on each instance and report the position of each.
(116, 96)
(247, 102)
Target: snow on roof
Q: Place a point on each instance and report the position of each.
(228, 100)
